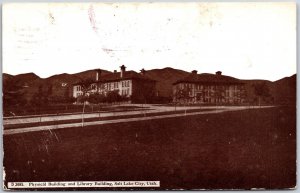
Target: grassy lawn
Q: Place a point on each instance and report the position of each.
(242, 149)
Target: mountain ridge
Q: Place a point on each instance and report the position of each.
(283, 89)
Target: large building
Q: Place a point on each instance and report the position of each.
(135, 86)
(209, 89)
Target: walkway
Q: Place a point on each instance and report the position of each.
(147, 109)
(158, 109)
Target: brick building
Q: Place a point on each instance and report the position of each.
(136, 86)
(209, 89)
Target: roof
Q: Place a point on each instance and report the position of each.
(128, 75)
(209, 78)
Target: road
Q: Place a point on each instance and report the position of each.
(152, 110)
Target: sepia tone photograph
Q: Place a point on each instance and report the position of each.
(149, 96)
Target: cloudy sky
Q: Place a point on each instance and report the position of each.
(244, 40)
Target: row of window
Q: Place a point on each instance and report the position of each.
(79, 94)
(125, 92)
(212, 100)
(79, 88)
(218, 94)
(125, 83)
(186, 85)
(108, 86)
(198, 97)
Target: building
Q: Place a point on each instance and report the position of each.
(209, 89)
(135, 86)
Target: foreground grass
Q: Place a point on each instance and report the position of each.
(243, 149)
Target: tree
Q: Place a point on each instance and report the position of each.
(182, 94)
(50, 90)
(143, 92)
(86, 87)
(261, 90)
(219, 94)
(96, 98)
(70, 99)
(13, 94)
(39, 99)
(113, 96)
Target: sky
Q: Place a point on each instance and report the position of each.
(243, 40)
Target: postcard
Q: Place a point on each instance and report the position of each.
(149, 96)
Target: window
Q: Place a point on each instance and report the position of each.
(125, 83)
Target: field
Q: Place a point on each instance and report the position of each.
(253, 148)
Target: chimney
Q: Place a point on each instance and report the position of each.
(218, 73)
(98, 74)
(123, 68)
(194, 72)
(143, 71)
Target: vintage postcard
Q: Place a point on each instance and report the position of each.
(149, 96)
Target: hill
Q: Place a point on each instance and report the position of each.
(282, 91)
(285, 90)
(250, 88)
(56, 85)
(165, 78)
(21, 79)
(6, 77)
